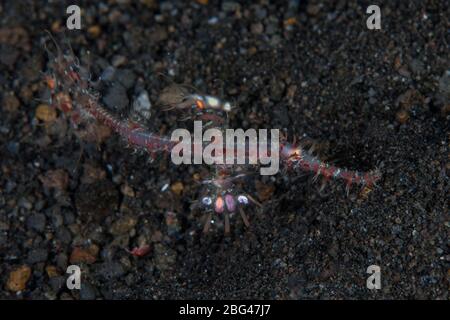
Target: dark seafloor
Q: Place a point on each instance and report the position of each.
(371, 98)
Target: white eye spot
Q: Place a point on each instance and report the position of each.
(227, 106)
(212, 102)
(243, 199)
(207, 201)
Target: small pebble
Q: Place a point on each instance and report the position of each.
(119, 60)
(230, 6)
(123, 225)
(142, 105)
(177, 188)
(45, 113)
(257, 28)
(313, 9)
(18, 278)
(10, 103)
(94, 31)
(402, 116)
(87, 292)
(84, 255)
(58, 179)
(37, 222)
(37, 255)
(127, 191)
(51, 271)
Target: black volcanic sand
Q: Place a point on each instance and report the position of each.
(367, 98)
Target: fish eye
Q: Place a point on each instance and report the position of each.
(227, 106)
(243, 199)
(207, 201)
